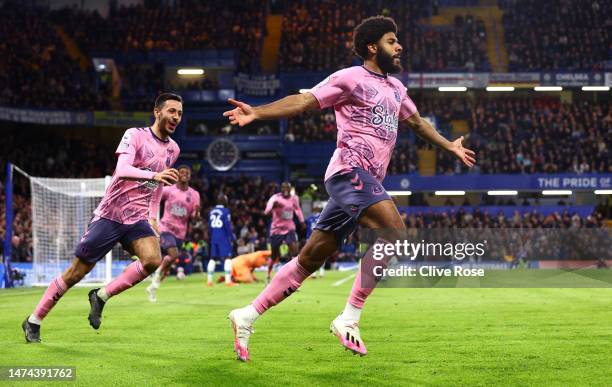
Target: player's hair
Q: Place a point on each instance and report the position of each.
(222, 198)
(183, 166)
(370, 31)
(163, 97)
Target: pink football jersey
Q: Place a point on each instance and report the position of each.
(178, 208)
(282, 216)
(128, 201)
(368, 107)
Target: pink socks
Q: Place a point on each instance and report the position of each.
(54, 292)
(132, 275)
(288, 279)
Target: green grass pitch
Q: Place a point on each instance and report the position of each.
(414, 337)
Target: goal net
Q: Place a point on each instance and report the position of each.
(61, 211)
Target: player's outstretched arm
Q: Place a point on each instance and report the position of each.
(289, 106)
(427, 132)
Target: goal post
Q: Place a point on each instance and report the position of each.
(61, 211)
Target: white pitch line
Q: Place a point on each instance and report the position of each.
(343, 280)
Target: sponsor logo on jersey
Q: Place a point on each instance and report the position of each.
(178, 210)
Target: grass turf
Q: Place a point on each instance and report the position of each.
(414, 336)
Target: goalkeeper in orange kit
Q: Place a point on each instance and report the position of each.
(243, 266)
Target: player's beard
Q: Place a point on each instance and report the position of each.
(385, 62)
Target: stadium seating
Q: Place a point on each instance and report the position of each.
(35, 68)
(48, 52)
(553, 35)
(319, 37)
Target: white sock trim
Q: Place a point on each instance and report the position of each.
(156, 278)
(251, 312)
(351, 313)
(34, 320)
(102, 294)
(227, 268)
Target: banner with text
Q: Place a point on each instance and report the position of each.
(499, 182)
(257, 85)
(482, 80)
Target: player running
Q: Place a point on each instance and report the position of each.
(126, 214)
(181, 203)
(282, 206)
(221, 239)
(368, 104)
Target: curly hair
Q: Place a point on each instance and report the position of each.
(370, 31)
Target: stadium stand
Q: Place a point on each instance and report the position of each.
(557, 35)
(35, 69)
(513, 135)
(189, 25)
(319, 36)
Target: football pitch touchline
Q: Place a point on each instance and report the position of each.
(343, 280)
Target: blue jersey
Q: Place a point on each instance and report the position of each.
(311, 222)
(220, 230)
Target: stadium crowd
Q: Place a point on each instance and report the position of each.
(40, 69)
(477, 218)
(312, 126)
(317, 36)
(38, 72)
(514, 135)
(459, 47)
(557, 35)
(190, 25)
(35, 68)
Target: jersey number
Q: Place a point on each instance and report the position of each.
(215, 221)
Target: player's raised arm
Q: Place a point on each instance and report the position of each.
(427, 132)
(289, 106)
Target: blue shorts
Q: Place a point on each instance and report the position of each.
(349, 194)
(276, 240)
(102, 235)
(220, 249)
(168, 240)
